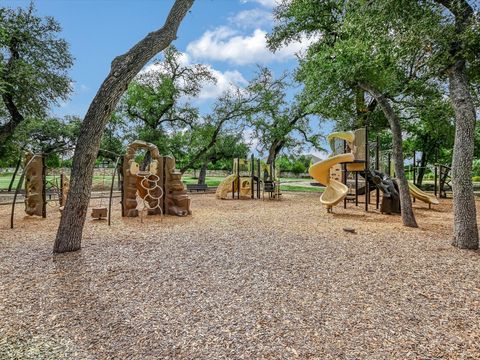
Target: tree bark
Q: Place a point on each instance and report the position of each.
(147, 159)
(123, 70)
(204, 150)
(274, 150)
(422, 169)
(408, 216)
(8, 129)
(465, 229)
(465, 232)
(203, 173)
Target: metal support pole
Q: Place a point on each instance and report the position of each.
(111, 191)
(377, 167)
(258, 179)
(238, 178)
(252, 180)
(356, 188)
(414, 169)
(436, 172)
(344, 174)
(60, 195)
(44, 187)
(367, 168)
(271, 179)
(19, 185)
(17, 166)
(234, 181)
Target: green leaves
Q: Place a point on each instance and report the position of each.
(154, 98)
(34, 63)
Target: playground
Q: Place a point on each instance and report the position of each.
(242, 278)
(242, 179)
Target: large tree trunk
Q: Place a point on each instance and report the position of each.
(203, 173)
(123, 70)
(465, 230)
(423, 168)
(408, 216)
(16, 118)
(274, 150)
(147, 159)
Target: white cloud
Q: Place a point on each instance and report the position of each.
(226, 44)
(227, 80)
(266, 3)
(252, 18)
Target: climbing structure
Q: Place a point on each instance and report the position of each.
(239, 184)
(34, 199)
(160, 187)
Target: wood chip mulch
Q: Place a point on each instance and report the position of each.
(241, 279)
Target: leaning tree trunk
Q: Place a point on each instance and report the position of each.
(408, 216)
(203, 173)
(123, 70)
(465, 231)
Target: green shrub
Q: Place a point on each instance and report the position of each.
(476, 178)
(298, 168)
(476, 167)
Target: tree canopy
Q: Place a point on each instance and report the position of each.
(34, 62)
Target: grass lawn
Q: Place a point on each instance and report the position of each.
(216, 180)
(302, 188)
(97, 180)
(210, 180)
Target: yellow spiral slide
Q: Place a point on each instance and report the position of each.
(335, 191)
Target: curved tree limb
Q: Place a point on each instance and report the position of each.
(123, 70)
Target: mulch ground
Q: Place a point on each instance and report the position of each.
(241, 279)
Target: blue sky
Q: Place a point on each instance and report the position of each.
(229, 35)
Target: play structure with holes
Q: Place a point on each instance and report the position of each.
(250, 179)
(44, 187)
(41, 188)
(350, 158)
(158, 189)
